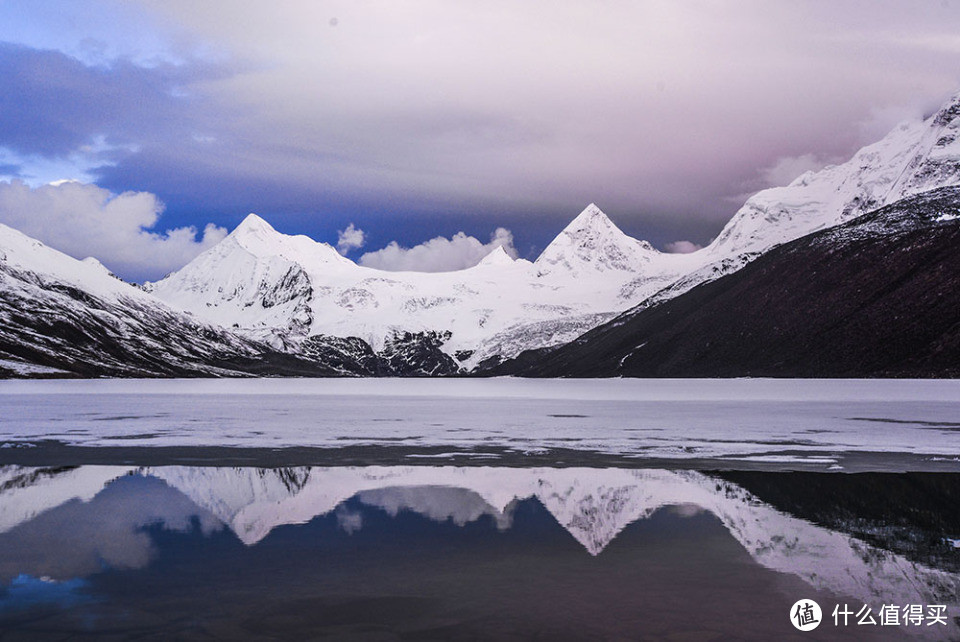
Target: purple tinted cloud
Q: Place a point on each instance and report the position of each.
(399, 118)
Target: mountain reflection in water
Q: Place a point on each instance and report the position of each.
(447, 552)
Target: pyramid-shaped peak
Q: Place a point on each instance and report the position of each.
(255, 236)
(592, 217)
(592, 210)
(592, 223)
(592, 239)
(498, 256)
(253, 224)
(592, 227)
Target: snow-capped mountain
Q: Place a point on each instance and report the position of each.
(60, 316)
(282, 289)
(913, 158)
(874, 297)
(916, 157)
(268, 303)
(592, 244)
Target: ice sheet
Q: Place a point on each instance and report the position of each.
(746, 419)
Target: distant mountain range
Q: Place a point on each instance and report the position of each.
(849, 271)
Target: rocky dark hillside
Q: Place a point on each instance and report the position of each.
(409, 354)
(55, 329)
(876, 297)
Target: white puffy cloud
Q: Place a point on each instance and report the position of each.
(83, 219)
(439, 254)
(681, 247)
(350, 239)
(787, 168)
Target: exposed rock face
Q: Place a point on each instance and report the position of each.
(404, 355)
(418, 354)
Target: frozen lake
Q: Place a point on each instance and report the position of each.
(472, 509)
(742, 423)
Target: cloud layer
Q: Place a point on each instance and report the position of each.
(78, 538)
(86, 220)
(787, 168)
(398, 116)
(350, 239)
(439, 254)
(681, 247)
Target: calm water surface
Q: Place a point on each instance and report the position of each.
(465, 509)
(407, 552)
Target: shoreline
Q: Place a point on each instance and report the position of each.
(52, 453)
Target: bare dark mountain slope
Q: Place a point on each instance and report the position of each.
(876, 297)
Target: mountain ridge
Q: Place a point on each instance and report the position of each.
(281, 304)
(281, 290)
(874, 297)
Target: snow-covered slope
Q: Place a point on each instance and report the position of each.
(914, 158)
(21, 253)
(75, 316)
(282, 289)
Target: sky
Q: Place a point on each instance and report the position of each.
(420, 135)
